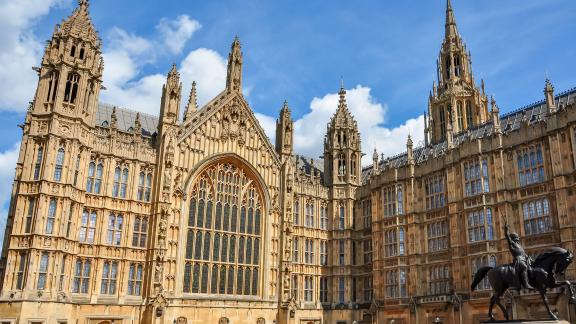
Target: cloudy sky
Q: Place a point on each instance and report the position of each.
(385, 51)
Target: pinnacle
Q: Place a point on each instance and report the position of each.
(451, 29)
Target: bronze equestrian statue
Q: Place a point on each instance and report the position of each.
(539, 274)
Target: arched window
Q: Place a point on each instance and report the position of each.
(52, 86)
(81, 56)
(51, 216)
(115, 228)
(73, 51)
(460, 116)
(116, 185)
(123, 183)
(38, 165)
(71, 90)
(342, 218)
(224, 226)
(469, 116)
(442, 118)
(457, 66)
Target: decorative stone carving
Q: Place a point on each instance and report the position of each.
(260, 320)
(182, 320)
(234, 122)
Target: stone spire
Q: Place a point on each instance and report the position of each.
(79, 24)
(171, 94)
(192, 105)
(549, 93)
(451, 30)
(375, 162)
(285, 131)
(137, 124)
(410, 149)
(234, 75)
(495, 116)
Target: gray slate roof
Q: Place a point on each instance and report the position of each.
(509, 122)
(125, 119)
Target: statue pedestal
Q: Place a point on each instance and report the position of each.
(520, 321)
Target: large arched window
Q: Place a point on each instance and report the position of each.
(224, 233)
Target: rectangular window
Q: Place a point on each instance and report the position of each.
(396, 284)
(367, 249)
(115, 227)
(341, 289)
(390, 243)
(390, 199)
(367, 213)
(144, 183)
(309, 251)
(135, 279)
(51, 216)
(476, 177)
(94, 180)
(323, 217)
(480, 227)
(439, 280)
(437, 236)
(323, 253)
(43, 271)
(140, 231)
(294, 283)
(324, 290)
(537, 216)
(480, 262)
(341, 252)
(81, 276)
(435, 191)
(342, 218)
(400, 198)
(87, 227)
(530, 165)
(308, 288)
(30, 214)
(21, 274)
(296, 212)
(309, 214)
(368, 290)
(62, 274)
(295, 252)
(109, 274)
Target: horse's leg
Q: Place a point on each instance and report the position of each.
(545, 299)
(568, 284)
(502, 307)
(492, 302)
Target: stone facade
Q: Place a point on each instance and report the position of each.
(121, 217)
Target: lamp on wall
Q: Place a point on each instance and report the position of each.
(437, 320)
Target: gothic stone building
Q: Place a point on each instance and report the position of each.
(195, 217)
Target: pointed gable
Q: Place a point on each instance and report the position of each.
(80, 25)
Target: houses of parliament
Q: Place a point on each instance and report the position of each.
(194, 216)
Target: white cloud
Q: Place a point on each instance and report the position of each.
(8, 160)
(176, 33)
(127, 54)
(20, 50)
(310, 129)
(208, 68)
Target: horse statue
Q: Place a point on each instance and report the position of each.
(541, 276)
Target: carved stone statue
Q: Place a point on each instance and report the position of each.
(541, 274)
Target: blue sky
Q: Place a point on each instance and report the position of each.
(385, 51)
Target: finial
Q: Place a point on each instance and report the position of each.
(493, 104)
(82, 3)
(342, 94)
(341, 82)
(450, 21)
(192, 105)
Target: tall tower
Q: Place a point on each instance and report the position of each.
(342, 155)
(456, 101)
(71, 69)
(342, 152)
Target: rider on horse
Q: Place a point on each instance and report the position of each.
(522, 261)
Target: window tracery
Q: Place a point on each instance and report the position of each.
(224, 232)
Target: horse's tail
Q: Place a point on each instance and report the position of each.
(479, 275)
